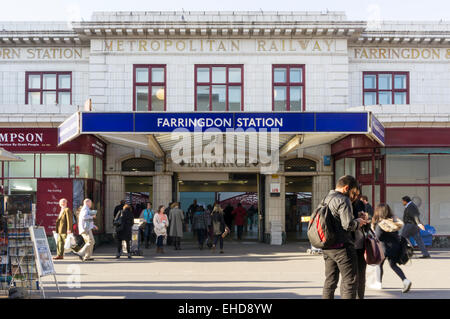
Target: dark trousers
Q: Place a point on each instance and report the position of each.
(218, 238)
(160, 241)
(201, 236)
(361, 274)
(340, 261)
(119, 247)
(176, 242)
(240, 229)
(148, 233)
(414, 231)
(394, 267)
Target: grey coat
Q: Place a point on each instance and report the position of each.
(176, 219)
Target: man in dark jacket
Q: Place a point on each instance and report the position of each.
(118, 208)
(367, 207)
(413, 225)
(341, 257)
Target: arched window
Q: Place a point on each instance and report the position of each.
(138, 165)
(300, 165)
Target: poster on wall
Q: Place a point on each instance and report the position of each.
(49, 192)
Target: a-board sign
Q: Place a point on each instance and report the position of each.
(42, 252)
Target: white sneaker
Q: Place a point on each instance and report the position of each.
(376, 286)
(406, 285)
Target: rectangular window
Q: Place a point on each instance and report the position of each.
(407, 169)
(99, 169)
(219, 88)
(21, 169)
(288, 87)
(149, 87)
(85, 166)
(55, 165)
(385, 88)
(48, 88)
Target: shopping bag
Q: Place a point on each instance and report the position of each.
(373, 276)
(55, 236)
(373, 253)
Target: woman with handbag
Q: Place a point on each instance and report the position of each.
(161, 223)
(386, 226)
(123, 224)
(219, 227)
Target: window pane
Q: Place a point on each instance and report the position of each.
(64, 98)
(440, 210)
(141, 98)
(49, 81)
(234, 75)
(419, 196)
(385, 97)
(34, 98)
(157, 98)
(219, 75)
(49, 97)
(219, 98)
(279, 94)
(158, 75)
(85, 166)
(370, 81)
(22, 169)
(385, 81)
(202, 98)
(141, 75)
(402, 169)
(37, 165)
(350, 166)
(203, 75)
(98, 169)
(72, 165)
(55, 165)
(370, 98)
(295, 75)
(64, 81)
(365, 167)
(400, 98)
(440, 169)
(400, 81)
(378, 170)
(34, 81)
(339, 169)
(21, 186)
(295, 98)
(279, 75)
(234, 98)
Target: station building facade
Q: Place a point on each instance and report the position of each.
(237, 62)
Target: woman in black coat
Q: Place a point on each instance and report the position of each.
(386, 227)
(124, 222)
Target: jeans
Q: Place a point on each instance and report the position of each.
(240, 229)
(414, 231)
(148, 233)
(394, 267)
(361, 274)
(60, 245)
(218, 238)
(340, 261)
(201, 236)
(160, 241)
(119, 247)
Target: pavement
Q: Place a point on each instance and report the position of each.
(246, 270)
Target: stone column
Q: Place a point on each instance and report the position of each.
(275, 206)
(321, 186)
(162, 190)
(115, 192)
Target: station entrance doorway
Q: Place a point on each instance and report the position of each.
(227, 189)
(138, 192)
(298, 203)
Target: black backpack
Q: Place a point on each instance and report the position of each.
(321, 227)
(406, 251)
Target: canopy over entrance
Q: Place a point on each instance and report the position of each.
(159, 132)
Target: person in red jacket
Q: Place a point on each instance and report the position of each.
(239, 215)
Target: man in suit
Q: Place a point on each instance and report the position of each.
(64, 224)
(413, 225)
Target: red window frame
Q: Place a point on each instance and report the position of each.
(41, 90)
(288, 84)
(149, 84)
(227, 83)
(393, 90)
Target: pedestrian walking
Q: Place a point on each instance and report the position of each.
(252, 212)
(191, 211)
(340, 258)
(86, 225)
(147, 215)
(176, 220)
(209, 230)
(64, 226)
(200, 225)
(219, 226)
(161, 222)
(124, 222)
(228, 215)
(413, 225)
(386, 226)
(239, 214)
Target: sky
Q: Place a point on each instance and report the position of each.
(72, 10)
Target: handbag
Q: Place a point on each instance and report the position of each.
(373, 252)
(118, 222)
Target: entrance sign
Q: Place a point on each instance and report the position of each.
(69, 129)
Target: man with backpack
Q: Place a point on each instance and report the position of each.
(335, 235)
